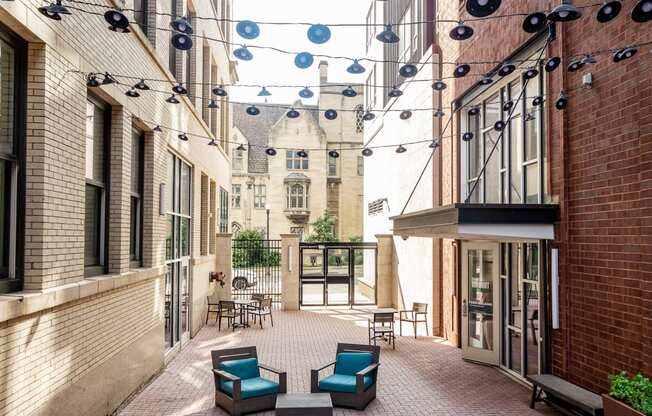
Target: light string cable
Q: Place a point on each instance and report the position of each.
(502, 133)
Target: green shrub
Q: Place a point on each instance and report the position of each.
(249, 250)
(635, 391)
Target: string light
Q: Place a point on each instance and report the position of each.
(181, 90)
(401, 149)
(575, 66)
(141, 85)
(562, 101)
(506, 69)
(270, 151)
(462, 70)
(461, 32)
(552, 64)
(241, 148)
(408, 70)
(292, 113)
(306, 93)
(183, 137)
(132, 93)
(467, 137)
(319, 34)
(405, 115)
(334, 154)
(624, 53)
(535, 22)
(349, 92)
(355, 68)
(264, 93)
(243, 54)
(368, 116)
(642, 12)
(54, 10)
(499, 125)
(482, 8)
(330, 114)
(609, 10)
(172, 99)
(304, 60)
(213, 104)
(252, 110)
(220, 91)
(302, 153)
(92, 81)
(367, 152)
(564, 12)
(117, 21)
(395, 92)
(388, 35)
(158, 129)
(439, 85)
(247, 29)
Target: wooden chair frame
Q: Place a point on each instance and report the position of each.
(223, 312)
(383, 332)
(262, 309)
(412, 316)
(235, 405)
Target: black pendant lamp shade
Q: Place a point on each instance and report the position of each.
(642, 12)
(306, 93)
(241, 148)
(575, 65)
(400, 149)
(552, 64)
(564, 12)
(623, 54)
(172, 99)
(461, 70)
(212, 143)
(562, 101)
(537, 101)
(183, 137)
(212, 103)
(132, 93)
(589, 59)
(334, 154)
(474, 111)
(482, 8)
(302, 153)
(117, 21)
(292, 113)
(220, 91)
(181, 41)
(439, 85)
(388, 35)
(181, 24)
(355, 68)
(54, 10)
(395, 92)
(367, 152)
(405, 114)
(461, 32)
(439, 114)
(252, 110)
(368, 116)
(506, 70)
(349, 92)
(243, 54)
(264, 93)
(467, 137)
(529, 117)
(508, 105)
(108, 79)
(158, 129)
(433, 144)
(408, 70)
(486, 80)
(92, 81)
(330, 114)
(270, 151)
(609, 11)
(499, 125)
(530, 73)
(140, 85)
(180, 89)
(534, 22)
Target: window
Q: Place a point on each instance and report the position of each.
(332, 166)
(224, 124)
(371, 28)
(294, 161)
(406, 32)
(178, 190)
(140, 14)
(236, 195)
(190, 69)
(206, 86)
(370, 94)
(204, 216)
(360, 166)
(215, 120)
(136, 218)
(375, 207)
(297, 195)
(359, 122)
(237, 161)
(515, 172)
(12, 74)
(212, 217)
(260, 196)
(172, 51)
(96, 180)
(224, 211)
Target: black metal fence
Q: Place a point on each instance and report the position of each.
(257, 269)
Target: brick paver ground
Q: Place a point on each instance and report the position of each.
(421, 377)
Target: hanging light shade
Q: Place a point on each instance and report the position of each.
(158, 129)
(181, 24)
(241, 148)
(367, 152)
(334, 154)
(537, 101)
(292, 113)
(220, 91)
(642, 12)
(179, 89)
(609, 11)
(388, 35)
(395, 92)
(306, 93)
(461, 31)
(212, 103)
(461, 70)
(183, 137)
(408, 70)
(589, 59)
(132, 93)
(534, 22)
(433, 144)
(302, 153)
(506, 69)
(368, 116)
(562, 101)
(564, 12)
(181, 41)
(508, 105)
(486, 80)
(330, 114)
(482, 8)
(243, 54)
(252, 110)
(92, 81)
(405, 114)
(212, 143)
(319, 34)
(575, 65)
(400, 149)
(247, 29)
(529, 117)
(54, 10)
(117, 21)
(552, 64)
(474, 111)
(349, 92)
(270, 151)
(530, 73)
(140, 85)
(355, 68)
(172, 99)
(624, 53)
(439, 85)
(467, 137)
(304, 60)
(108, 79)
(439, 114)
(499, 125)
(264, 93)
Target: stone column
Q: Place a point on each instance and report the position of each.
(290, 272)
(223, 264)
(385, 271)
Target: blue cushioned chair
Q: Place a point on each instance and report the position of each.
(239, 388)
(353, 382)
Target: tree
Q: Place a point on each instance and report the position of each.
(355, 238)
(323, 229)
(249, 250)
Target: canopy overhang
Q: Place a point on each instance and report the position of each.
(512, 222)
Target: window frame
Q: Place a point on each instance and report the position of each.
(236, 195)
(224, 211)
(136, 257)
(237, 155)
(303, 196)
(291, 158)
(141, 15)
(260, 198)
(175, 212)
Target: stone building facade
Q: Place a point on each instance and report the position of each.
(298, 190)
(108, 225)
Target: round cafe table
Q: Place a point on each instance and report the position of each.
(242, 305)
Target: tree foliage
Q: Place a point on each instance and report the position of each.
(636, 391)
(250, 250)
(323, 230)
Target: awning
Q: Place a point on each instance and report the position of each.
(514, 222)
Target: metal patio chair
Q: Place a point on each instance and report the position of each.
(262, 309)
(226, 310)
(382, 327)
(412, 316)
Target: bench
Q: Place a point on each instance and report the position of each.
(566, 397)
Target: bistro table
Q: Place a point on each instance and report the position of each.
(243, 305)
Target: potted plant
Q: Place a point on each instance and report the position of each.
(629, 396)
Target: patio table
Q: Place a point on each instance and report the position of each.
(243, 305)
(313, 404)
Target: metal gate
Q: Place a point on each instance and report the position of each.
(338, 274)
(257, 269)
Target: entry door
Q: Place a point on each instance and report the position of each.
(480, 302)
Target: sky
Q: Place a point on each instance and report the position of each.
(274, 68)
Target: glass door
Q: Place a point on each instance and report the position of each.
(338, 277)
(480, 300)
(313, 288)
(364, 276)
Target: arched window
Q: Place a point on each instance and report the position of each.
(359, 122)
(235, 228)
(297, 196)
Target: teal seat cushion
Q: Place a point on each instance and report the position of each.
(245, 368)
(252, 387)
(342, 383)
(349, 363)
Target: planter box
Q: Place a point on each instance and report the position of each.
(613, 407)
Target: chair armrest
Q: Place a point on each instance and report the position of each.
(272, 369)
(359, 377)
(365, 371)
(314, 377)
(282, 377)
(225, 374)
(236, 381)
(324, 367)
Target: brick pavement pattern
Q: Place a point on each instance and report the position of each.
(421, 377)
